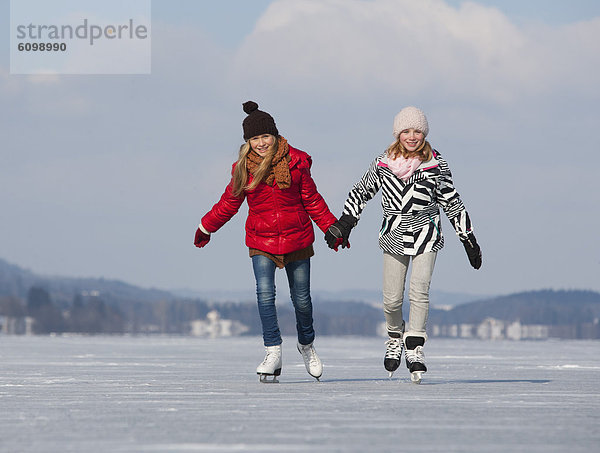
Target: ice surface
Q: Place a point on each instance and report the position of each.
(165, 394)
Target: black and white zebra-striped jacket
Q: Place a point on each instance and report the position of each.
(411, 217)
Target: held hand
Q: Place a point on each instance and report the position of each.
(346, 223)
(333, 237)
(339, 233)
(340, 241)
(473, 250)
(201, 238)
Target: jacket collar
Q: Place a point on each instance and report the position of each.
(294, 156)
(431, 163)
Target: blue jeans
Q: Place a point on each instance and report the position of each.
(298, 274)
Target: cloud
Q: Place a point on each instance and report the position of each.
(135, 161)
(426, 47)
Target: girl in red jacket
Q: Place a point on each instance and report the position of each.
(282, 199)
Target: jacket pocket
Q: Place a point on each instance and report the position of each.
(303, 218)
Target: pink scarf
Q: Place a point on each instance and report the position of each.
(402, 167)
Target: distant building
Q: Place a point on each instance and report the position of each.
(215, 327)
(493, 329)
(490, 329)
(466, 330)
(518, 331)
(11, 325)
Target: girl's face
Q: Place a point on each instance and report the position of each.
(262, 143)
(411, 139)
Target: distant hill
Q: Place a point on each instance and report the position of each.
(16, 282)
(97, 305)
(546, 307)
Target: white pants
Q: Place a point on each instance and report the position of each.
(395, 268)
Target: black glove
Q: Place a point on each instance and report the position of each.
(339, 233)
(333, 237)
(347, 222)
(473, 250)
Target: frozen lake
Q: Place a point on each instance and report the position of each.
(171, 394)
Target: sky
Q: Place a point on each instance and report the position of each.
(109, 175)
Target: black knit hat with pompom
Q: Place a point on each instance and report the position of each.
(257, 122)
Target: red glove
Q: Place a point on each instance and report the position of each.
(340, 241)
(201, 238)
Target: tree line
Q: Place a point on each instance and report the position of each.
(98, 314)
(577, 313)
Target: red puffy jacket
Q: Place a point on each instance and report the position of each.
(279, 220)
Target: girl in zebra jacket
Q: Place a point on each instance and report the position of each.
(415, 181)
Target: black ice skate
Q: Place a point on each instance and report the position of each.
(270, 367)
(393, 353)
(415, 359)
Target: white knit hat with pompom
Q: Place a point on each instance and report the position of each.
(410, 118)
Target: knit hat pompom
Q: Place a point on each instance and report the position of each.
(257, 122)
(410, 118)
(249, 107)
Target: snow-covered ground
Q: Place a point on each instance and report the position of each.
(164, 394)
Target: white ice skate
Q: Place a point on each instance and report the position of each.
(270, 367)
(311, 360)
(393, 355)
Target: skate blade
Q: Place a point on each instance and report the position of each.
(390, 374)
(268, 378)
(416, 376)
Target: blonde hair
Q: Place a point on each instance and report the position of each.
(424, 152)
(240, 173)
